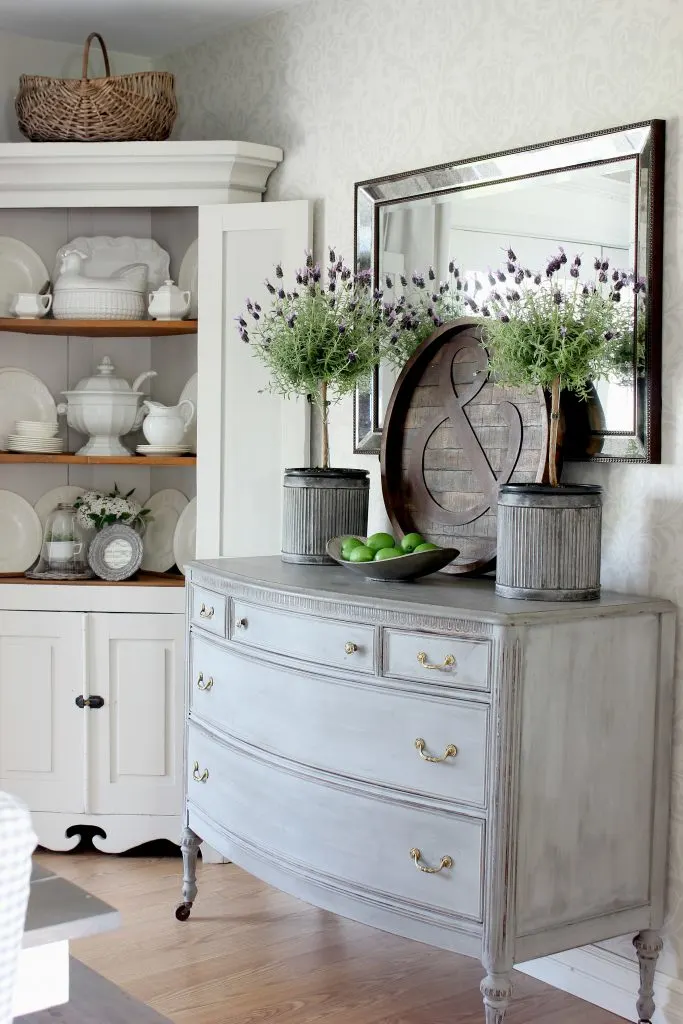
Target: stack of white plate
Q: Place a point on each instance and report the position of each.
(35, 436)
(159, 449)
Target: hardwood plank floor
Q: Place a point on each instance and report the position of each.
(251, 954)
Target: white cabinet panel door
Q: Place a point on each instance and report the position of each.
(245, 436)
(135, 740)
(41, 728)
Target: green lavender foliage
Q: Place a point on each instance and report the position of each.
(539, 328)
(421, 309)
(329, 328)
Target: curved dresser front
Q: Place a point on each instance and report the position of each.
(400, 754)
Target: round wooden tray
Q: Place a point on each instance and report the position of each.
(451, 438)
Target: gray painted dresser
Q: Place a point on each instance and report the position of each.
(485, 775)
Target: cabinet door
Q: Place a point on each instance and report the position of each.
(135, 741)
(246, 437)
(42, 735)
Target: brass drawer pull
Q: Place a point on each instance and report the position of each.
(450, 751)
(240, 623)
(201, 685)
(206, 613)
(446, 862)
(195, 773)
(350, 647)
(447, 661)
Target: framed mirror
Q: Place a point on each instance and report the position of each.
(599, 195)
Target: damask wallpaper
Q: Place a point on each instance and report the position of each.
(353, 89)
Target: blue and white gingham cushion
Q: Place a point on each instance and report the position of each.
(17, 843)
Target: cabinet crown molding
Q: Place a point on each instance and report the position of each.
(134, 173)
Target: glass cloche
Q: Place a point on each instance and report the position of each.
(64, 554)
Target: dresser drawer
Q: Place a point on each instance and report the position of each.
(354, 841)
(208, 610)
(320, 641)
(371, 734)
(433, 658)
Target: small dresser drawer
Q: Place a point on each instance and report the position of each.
(319, 641)
(433, 658)
(358, 843)
(417, 744)
(208, 610)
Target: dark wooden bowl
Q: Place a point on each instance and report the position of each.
(398, 570)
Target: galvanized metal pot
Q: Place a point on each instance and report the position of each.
(320, 504)
(549, 542)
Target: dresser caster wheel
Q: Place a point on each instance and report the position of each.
(182, 912)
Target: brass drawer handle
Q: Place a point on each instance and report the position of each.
(446, 862)
(201, 685)
(240, 623)
(447, 661)
(450, 751)
(350, 647)
(196, 775)
(206, 613)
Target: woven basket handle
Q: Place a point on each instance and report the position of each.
(86, 54)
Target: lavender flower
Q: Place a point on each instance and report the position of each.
(537, 278)
(511, 267)
(341, 328)
(511, 255)
(563, 256)
(352, 357)
(430, 274)
(557, 298)
(491, 278)
(404, 280)
(602, 277)
(333, 256)
(519, 277)
(278, 271)
(574, 271)
(388, 282)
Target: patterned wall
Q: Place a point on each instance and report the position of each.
(352, 89)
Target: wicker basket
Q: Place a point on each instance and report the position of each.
(118, 108)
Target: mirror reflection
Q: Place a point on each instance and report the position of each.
(595, 198)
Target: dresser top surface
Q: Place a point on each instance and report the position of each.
(439, 594)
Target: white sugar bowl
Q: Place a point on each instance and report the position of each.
(168, 302)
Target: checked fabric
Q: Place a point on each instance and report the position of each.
(17, 843)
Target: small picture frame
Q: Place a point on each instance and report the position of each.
(115, 553)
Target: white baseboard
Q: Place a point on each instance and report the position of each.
(607, 980)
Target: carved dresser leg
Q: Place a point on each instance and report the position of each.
(189, 845)
(648, 947)
(497, 991)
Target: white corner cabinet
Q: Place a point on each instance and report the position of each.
(119, 766)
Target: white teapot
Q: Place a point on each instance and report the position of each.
(168, 302)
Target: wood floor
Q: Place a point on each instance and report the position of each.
(252, 955)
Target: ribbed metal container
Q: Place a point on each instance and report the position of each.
(549, 542)
(320, 504)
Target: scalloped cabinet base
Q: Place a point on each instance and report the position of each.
(488, 776)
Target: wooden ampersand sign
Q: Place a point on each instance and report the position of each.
(451, 438)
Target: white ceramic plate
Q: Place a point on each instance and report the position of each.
(185, 537)
(188, 276)
(21, 535)
(144, 449)
(107, 255)
(23, 396)
(57, 496)
(37, 448)
(166, 508)
(21, 270)
(190, 391)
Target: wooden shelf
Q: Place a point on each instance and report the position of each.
(19, 458)
(143, 579)
(99, 328)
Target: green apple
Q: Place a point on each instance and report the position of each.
(426, 547)
(361, 553)
(411, 541)
(380, 540)
(388, 553)
(347, 545)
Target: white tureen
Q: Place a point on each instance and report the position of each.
(105, 407)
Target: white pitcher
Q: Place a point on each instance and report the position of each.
(165, 425)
